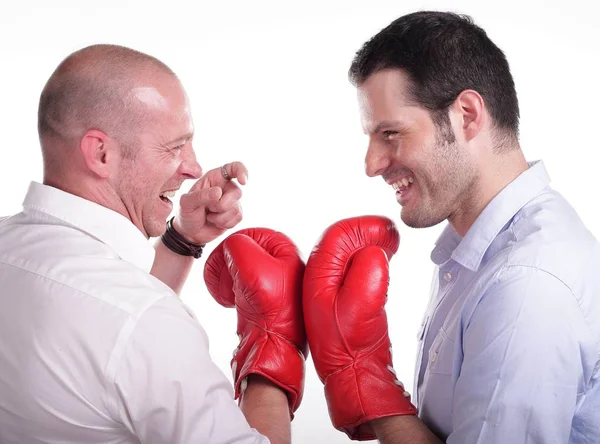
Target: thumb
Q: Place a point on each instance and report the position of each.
(249, 264)
(362, 297)
(217, 278)
(195, 199)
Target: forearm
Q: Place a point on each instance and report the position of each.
(405, 429)
(171, 268)
(266, 409)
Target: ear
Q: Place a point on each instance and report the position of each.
(469, 108)
(99, 152)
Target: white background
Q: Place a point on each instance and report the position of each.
(268, 86)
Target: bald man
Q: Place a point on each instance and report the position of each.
(95, 345)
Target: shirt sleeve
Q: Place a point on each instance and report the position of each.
(522, 367)
(167, 388)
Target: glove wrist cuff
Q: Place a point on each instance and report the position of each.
(274, 358)
(362, 392)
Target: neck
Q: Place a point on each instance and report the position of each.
(498, 172)
(97, 191)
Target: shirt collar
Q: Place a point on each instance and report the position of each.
(108, 226)
(469, 251)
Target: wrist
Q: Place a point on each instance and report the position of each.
(255, 382)
(178, 227)
(175, 241)
(265, 407)
(403, 429)
(262, 391)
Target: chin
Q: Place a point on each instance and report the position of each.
(155, 228)
(416, 219)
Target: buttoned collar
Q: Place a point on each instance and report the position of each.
(470, 250)
(106, 225)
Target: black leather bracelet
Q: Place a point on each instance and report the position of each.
(178, 244)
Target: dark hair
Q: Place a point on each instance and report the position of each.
(443, 54)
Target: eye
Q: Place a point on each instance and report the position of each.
(389, 134)
(176, 150)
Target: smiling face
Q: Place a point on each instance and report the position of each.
(160, 158)
(432, 175)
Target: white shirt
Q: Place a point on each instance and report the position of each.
(510, 347)
(93, 348)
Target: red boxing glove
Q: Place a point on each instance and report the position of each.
(259, 272)
(345, 290)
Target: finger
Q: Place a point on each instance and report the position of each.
(195, 199)
(237, 170)
(232, 194)
(226, 220)
(214, 177)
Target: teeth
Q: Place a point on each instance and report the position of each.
(403, 183)
(169, 193)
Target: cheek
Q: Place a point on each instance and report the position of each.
(149, 176)
(162, 170)
(144, 181)
(429, 167)
(415, 153)
(170, 169)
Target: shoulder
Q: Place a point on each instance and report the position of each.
(547, 235)
(536, 306)
(549, 228)
(527, 303)
(59, 255)
(504, 293)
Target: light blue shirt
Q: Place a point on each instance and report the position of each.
(510, 343)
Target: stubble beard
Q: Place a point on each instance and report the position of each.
(448, 180)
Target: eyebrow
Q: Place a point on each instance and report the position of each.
(385, 123)
(180, 139)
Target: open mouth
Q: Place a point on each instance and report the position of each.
(167, 195)
(401, 186)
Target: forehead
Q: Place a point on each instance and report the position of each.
(148, 96)
(166, 104)
(384, 96)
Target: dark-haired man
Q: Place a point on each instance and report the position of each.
(510, 342)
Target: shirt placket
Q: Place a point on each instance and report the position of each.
(446, 278)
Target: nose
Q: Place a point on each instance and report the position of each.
(190, 168)
(376, 160)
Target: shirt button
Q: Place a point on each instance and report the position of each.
(447, 276)
(433, 356)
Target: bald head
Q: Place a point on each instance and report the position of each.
(101, 87)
